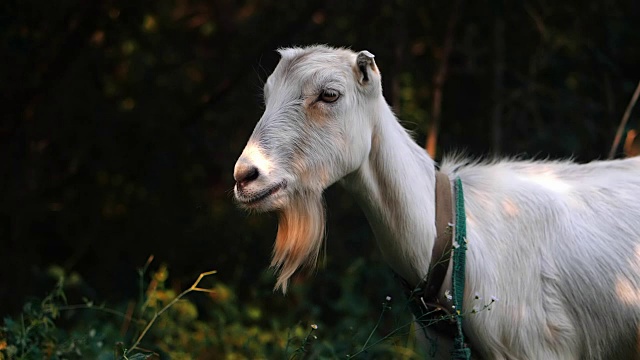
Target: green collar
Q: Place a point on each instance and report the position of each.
(423, 299)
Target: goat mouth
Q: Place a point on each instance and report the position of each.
(255, 199)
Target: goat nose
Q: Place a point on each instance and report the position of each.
(244, 174)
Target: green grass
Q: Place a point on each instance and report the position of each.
(212, 321)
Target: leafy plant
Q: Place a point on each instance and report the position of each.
(164, 324)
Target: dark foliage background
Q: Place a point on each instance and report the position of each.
(121, 122)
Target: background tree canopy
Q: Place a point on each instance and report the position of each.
(122, 120)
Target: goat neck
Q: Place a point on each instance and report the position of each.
(395, 186)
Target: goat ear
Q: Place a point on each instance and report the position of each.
(366, 66)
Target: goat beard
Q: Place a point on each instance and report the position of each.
(301, 226)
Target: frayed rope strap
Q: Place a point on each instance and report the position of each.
(460, 351)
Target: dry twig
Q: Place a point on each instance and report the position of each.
(623, 123)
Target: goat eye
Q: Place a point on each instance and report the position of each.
(329, 96)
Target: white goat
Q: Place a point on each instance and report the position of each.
(558, 243)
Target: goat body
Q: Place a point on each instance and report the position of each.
(557, 242)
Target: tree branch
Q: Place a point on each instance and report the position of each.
(439, 80)
(623, 122)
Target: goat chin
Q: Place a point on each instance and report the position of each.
(301, 225)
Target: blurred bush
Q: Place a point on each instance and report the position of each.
(214, 324)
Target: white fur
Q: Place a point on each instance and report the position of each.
(558, 243)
